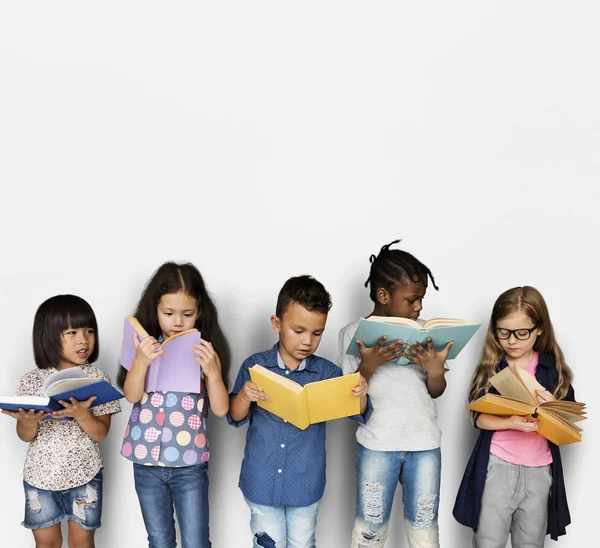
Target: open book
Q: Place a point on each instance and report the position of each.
(63, 385)
(440, 330)
(175, 370)
(309, 404)
(556, 419)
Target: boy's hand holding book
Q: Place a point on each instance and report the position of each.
(251, 392)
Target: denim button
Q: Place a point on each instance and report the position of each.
(287, 372)
(282, 445)
(279, 471)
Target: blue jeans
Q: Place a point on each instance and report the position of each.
(378, 474)
(283, 526)
(161, 488)
(81, 504)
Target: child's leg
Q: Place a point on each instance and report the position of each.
(268, 526)
(80, 537)
(301, 524)
(154, 494)
(378, 473)
(497, 505)
(83, 507)
(49, 537)
(189, 487)
(44, 511)
(420, 479)
(530, 520)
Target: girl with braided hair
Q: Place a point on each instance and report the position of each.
(401, 441)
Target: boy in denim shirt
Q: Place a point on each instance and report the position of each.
(283, 471)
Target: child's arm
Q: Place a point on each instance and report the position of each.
(146, 352)
(95, 427)
(432, 362)
(378, 354)
(213, 377)
(27, 422)
(239, 405)
(514, 422)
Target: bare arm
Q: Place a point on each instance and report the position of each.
(514, 422)
(239, 405)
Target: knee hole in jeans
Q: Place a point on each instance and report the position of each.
(372, 494)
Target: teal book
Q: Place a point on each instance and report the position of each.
(440, 330)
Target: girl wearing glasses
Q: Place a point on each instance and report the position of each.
(513, 483)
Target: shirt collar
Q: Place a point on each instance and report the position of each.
(274, 360)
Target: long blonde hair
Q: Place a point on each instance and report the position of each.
(530, 302)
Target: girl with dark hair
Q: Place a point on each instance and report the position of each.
(166, 437)
(63, 468)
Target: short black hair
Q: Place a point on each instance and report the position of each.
(392, 267)
(54, 316)
(307, 292)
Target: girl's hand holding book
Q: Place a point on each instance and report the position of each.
(146, 350)
(78, 410)
(26, 417)
(208, 359)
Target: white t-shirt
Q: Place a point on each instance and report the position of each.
(404, 414)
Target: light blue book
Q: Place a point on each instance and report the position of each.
(440, 330)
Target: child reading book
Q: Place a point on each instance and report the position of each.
(509, 453)
(283, 471)
(401, 441)
(166, 437)
(62, 476)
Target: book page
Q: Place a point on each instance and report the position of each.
(193, 330)
(445, 322)
(67, 385)
(494, 404)
(60, 376)
(395, 320)
(510, 385)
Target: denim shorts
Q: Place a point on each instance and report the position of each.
(82, 504)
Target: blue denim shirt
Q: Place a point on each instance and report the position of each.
(467, 506)
(283, 465)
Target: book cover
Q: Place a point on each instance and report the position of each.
(556, 419)
(59, 387)
(175, 370)
(370, 330)
(312, 403)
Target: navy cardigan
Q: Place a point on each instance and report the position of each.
(467, 506)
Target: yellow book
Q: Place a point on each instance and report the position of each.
(556, 419)
(309, 404)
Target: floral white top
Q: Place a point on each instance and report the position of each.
(62, 455)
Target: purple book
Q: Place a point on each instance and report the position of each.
(174, 371)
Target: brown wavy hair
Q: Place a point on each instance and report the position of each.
(530, 302)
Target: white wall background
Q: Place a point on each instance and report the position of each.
(262, 140)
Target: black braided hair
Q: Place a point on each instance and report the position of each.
(392, 267)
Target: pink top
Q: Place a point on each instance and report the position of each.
(523, 448)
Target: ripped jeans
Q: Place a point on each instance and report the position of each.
(378, 474)
(283, 526)
(82, 504)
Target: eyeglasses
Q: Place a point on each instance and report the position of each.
(522, 334)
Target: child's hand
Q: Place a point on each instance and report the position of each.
(146, 350)
(27, 417)
(252, 392)
(78, 410)
(543, 395)
(379, 353)
(524, 424)
(428, 359)
(361, 388)
(208, 359)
